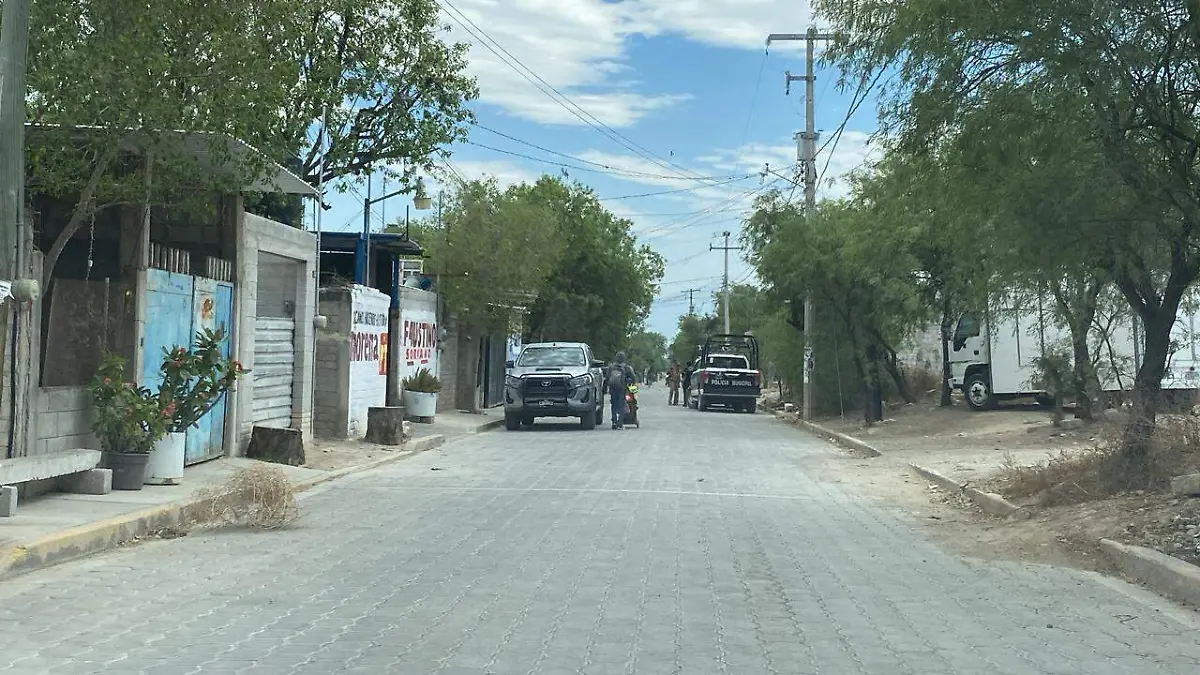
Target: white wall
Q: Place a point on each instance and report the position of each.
(254, 235)
(418, 331)
(368, 355)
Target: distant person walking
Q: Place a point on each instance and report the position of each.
(674, 380)
(687, 384)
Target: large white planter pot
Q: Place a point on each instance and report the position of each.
(420, 404)
(166, 460)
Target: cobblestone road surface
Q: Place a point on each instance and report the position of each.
(698, 544)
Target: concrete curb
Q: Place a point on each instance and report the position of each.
(1164, 574)
(84, 540)
(991, 503)
(835, 436)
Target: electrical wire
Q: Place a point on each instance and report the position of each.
(670, 192)
(621, 173)
(562, 99)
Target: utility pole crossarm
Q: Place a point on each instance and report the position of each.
(796, 37)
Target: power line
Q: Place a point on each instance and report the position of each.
(683, 224)
(669, 192)
(583, 115)
(607, 169)
(855, 103)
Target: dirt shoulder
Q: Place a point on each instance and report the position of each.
(994, 451)
(326, 455)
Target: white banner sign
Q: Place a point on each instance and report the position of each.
(368, 354)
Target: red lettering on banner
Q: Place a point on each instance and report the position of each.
(420, 339)
(367, 346)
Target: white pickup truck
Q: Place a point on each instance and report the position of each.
(726, 376)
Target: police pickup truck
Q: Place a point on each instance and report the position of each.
(727, 373)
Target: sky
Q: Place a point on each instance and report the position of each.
(634, 97)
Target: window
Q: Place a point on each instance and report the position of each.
(727, 361)
(968, 327)
(551, 356)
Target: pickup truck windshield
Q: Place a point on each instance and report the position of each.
(551, 356)
(728, 361)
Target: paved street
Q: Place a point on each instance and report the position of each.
(701, 543)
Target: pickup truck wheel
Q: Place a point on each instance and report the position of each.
(600, 416)
(512, 422)
(588, 422)
(751, 408)
(527, 420)
(701, 404)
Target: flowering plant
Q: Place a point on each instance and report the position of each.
(127, 418)
(194, 380)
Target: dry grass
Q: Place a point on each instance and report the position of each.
(259, 497)
(1105, 470)
(923, 382)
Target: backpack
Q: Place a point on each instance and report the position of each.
(616, 377)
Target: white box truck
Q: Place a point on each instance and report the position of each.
(993, 354)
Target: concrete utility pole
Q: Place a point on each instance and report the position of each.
(725, 284)
(691, 293)
(14, 46)
(806, 154)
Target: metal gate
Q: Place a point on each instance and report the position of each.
(274, 370)
(177, 307)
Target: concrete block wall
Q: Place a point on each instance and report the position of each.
(259, 235)
(331, 401)
(64, 420)
(448, 368)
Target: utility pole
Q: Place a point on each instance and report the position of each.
(14, 47)
(725, 284)
(691, 293)
(806, 154)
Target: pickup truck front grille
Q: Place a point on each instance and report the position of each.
(546, 386)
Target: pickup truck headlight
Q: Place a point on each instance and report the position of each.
(580, 380)
(512, 381)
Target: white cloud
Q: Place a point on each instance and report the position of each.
(581, 48)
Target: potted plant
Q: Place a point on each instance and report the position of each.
(126, 420)
(420, 393)
(193, 382)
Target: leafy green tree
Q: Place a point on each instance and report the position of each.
(393, 89)
(601, 288)
(128, 95)
(472, 250)
(692, 331)
(860, 273)
(647, 353)
(1123, 64)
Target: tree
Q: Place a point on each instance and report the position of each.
(472, 249)
(647, 353)
(391, 88)
(693, 329)
(128, 94)
(602, 287)
(1126, 64)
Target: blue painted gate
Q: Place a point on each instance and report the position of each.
(177, 307)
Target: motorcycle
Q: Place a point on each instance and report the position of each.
(631, 406)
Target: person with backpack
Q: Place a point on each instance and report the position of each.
(620, 376)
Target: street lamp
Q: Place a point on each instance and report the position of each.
(421, 202)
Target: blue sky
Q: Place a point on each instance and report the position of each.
(674, 84)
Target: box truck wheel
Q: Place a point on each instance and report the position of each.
(977, 392)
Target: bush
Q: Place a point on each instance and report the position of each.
(423, 381)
